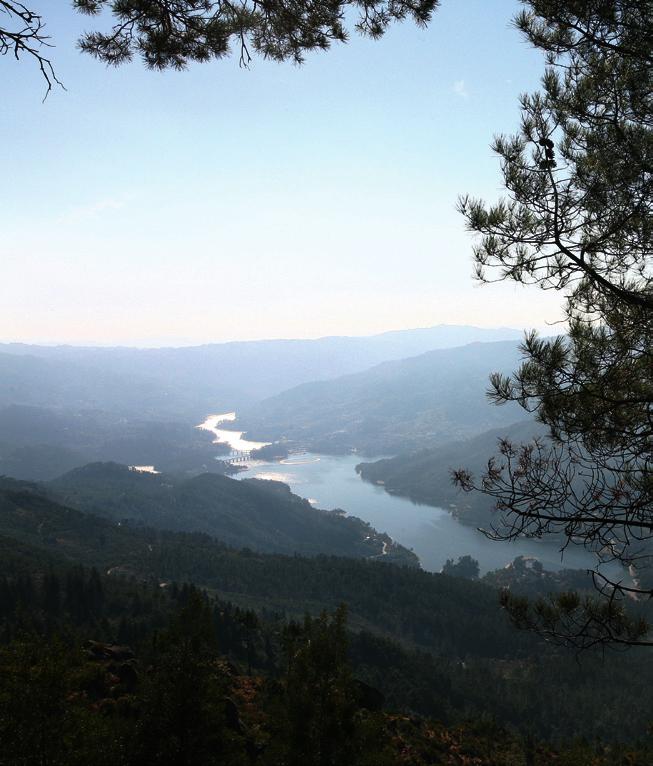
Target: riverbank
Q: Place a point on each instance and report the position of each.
(432, 533)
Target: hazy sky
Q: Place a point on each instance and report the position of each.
(223, 203)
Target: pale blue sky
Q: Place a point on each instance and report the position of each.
(222, 203)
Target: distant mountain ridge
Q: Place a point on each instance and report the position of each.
(394, 407)
(63, 407)
(193, 381)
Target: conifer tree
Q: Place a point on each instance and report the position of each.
(175, 33)
(182, 721)
(578, 218)
(320, 702)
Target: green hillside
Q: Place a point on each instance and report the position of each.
(41, 443)
(444, 614)
(433, 645)
(425, 475)
(262, 515)
(394, 407)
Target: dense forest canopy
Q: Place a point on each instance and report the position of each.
(432, 645)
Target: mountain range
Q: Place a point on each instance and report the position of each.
(193, 381)
(63, 407)
(393, 407)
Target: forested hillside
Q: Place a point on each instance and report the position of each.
(443, 614)
(430, 644)
(425, 475)
(394, 407)
(262, 515)
(41, 443)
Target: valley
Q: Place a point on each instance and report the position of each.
(291, 506)
(434, 533)
(413, 402)
(326, 383)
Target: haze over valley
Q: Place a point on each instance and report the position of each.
(107, 461)
(102, 410)
(326, 395)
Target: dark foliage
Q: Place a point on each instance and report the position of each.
(430, 644)
(262, 515)
(579, 219)
(173, 33)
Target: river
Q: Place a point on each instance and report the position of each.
(233, 438)
(432, 533)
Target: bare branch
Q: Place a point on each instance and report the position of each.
(22, 35)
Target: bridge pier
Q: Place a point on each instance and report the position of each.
(238, 456)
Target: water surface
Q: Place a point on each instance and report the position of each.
(433, 533)
(233, 438)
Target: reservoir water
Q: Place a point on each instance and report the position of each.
(233, 438)
(433, 534)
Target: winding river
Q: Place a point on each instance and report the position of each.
(432, 533)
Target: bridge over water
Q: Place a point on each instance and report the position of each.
(238, 456)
